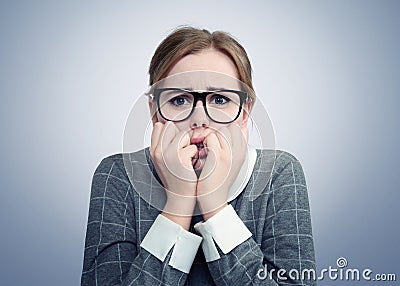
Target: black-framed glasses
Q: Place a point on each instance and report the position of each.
(221, 106)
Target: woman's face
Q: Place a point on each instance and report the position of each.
(199, 125)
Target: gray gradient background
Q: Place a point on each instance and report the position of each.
(328, 73)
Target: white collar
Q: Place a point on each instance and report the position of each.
(244, 174)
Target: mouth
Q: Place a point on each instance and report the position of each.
(197, 140)
(200, 146)
(198, 159)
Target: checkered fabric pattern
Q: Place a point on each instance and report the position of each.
(279, 220)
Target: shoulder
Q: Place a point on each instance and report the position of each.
(279, 158)
(120, 166)
(110, 164)
(282, 165)
(283, 159)
(110, 172)
(120, 161)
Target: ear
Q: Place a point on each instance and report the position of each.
(153, 113)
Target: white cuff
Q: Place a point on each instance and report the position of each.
(226, 229)
(163, 235)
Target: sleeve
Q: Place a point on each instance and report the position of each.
(226, 235)
(111, 255)
(286, 253)
(184, 243)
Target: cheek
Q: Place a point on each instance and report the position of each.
(160, 119)
(183, 125)
(240, 120)
(243, 127)
(217, 126)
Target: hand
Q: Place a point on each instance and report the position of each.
(171, 154)
(226, 153)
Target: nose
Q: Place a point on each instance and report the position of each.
(199, 117)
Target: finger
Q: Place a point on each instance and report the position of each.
(168, 134)
(212, 141)
(188, 155)
(225, 138)
(155, 136)
(189, 151)
(182, 139)
(240, 145)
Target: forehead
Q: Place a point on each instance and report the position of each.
(206, 60)
(200, 81)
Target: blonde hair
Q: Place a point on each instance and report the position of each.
(188, 40)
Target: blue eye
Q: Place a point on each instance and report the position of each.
(179, 100)
(219, 99)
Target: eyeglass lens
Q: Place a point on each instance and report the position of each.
(177, 105)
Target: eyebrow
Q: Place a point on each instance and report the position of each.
(208, 88)
(215, 88)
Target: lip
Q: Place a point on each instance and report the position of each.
(198, 159)
(197, 140)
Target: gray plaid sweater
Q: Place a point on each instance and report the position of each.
(278, 218)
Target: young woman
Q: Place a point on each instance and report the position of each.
(208, 229)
